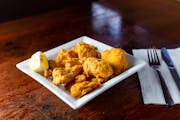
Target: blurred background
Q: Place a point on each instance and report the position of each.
(14, 9)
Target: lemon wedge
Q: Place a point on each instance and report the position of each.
(38, 62)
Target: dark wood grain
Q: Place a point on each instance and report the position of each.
(127, 24)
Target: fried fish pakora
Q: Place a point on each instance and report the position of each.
(62, 75)
(65, 54)
(78, 78)
(85, 50)
(68, 63)
(81, 88)
(97, 68)
(116, 58)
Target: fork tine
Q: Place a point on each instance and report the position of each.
(156, 56)
(148, 54)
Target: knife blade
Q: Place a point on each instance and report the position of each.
(166, 57)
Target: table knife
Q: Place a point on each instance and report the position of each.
(166, 57)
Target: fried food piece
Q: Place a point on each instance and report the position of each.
(116, 58)
(65, 54)
(48, 73)
(68, 63)
(78, 78)
(97, 68)
(81, 88)
(76, 69)
(85, 50)
(62, 75)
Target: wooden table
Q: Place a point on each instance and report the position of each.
(127, 24)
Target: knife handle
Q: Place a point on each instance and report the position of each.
(167, 96)
(175, 76)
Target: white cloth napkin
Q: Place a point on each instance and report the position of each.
(149, 82)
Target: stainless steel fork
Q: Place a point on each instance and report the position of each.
(155, 63)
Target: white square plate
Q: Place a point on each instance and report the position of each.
(134, 65)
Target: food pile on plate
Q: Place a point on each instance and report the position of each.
(82, 68)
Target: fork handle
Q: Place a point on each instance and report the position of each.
(167, 96)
